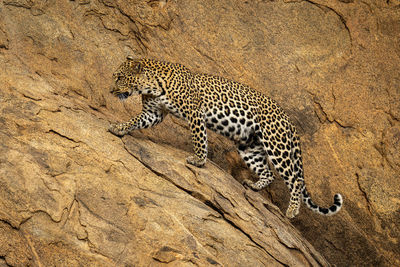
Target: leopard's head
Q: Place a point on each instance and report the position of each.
(134, 77)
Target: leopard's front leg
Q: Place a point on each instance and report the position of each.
(199, 139)
(123, 128)
(151, 115)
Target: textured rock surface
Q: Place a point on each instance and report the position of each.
(70, 192)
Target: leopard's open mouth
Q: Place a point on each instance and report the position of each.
(123, 96)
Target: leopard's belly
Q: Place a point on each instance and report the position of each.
(234, 124)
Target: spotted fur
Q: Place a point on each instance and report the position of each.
(255, 122)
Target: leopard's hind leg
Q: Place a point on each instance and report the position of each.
(277, 144)
(253, 154)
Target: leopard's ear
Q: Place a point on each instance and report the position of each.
(137, 67)
(134, 64)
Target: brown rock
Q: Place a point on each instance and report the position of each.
(71, 193)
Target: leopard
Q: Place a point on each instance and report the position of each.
(262, 132)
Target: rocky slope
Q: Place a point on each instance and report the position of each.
(71, 193)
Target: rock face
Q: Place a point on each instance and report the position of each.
(71, 193)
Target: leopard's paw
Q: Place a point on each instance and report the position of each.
(194, 160)
(119, 129)
(292, 211)
(250, 184)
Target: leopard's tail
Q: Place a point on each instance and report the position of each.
(298, 167)
(337, 204)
